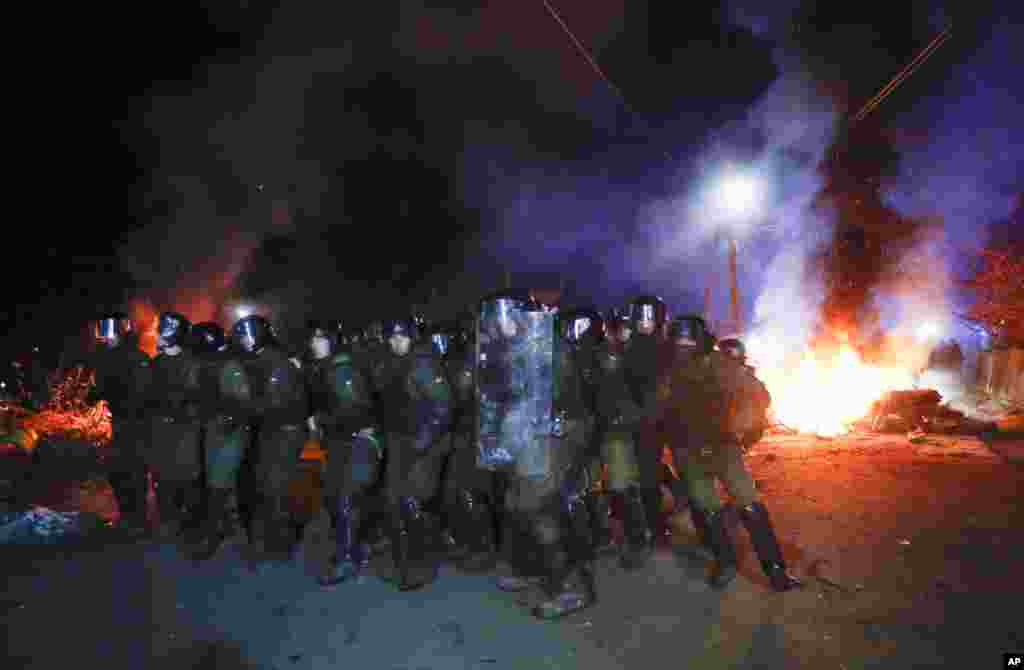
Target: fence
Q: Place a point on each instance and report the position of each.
(1001, 373)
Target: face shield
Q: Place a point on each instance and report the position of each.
(168, 333)
(246, 336)
(400, 344)
(319, 344)
(645, 316)
(687, 333)
(110, 330)
(578, 327)
(440, 343)
(504, 318)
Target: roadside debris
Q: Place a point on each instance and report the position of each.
(40, 525)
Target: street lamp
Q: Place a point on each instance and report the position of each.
(736, 198)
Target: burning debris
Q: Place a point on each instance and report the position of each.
(68, 414)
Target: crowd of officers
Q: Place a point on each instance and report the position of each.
(217, 421)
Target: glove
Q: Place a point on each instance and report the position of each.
(426, 435)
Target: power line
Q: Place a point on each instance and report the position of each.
(904, 74)
(592, 62)
(583, 51)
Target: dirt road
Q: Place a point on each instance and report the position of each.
(912, 555)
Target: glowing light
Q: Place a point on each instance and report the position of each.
(929, 330)
(738, 195)
(243, 311)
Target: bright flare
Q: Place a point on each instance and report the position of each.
(928, 331)
(738, 196)
(824, 396)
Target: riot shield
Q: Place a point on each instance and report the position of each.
(514, 385)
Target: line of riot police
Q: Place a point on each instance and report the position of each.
(510, 434)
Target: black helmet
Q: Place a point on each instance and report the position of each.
(580, 323)
(693, 331)
(420, 319)
(733, 347)
(504, 304)
(406, 326)
(112, 327)
(172, 330)
(648, 307)
(253, 333)
(374, 332)
(208, 337)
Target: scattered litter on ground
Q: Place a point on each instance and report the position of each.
(40, 525)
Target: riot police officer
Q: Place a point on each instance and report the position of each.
(414, 413)
(533, 425)
(174, 456)
(703, 397)
(280, 407)
(469, 491)
(341, 409)
(646, 359)
(585, 331)
(753, 426)
(225, 396)
(123, 377)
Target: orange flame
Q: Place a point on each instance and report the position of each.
(144, 317)
(825, 393)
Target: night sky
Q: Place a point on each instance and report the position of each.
(346, 159)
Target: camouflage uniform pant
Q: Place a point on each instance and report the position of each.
(413, 472)
(174, 453)
(279, 450)
(705, 462)
(461, 472)
(534, 506)
(225, 445)
(126, 467)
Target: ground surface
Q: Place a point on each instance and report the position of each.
(912, 554)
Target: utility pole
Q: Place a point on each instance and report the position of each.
(707, 305)
(734, 292)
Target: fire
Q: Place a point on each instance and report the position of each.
(825, 393)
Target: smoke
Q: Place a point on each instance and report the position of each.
(970, 169)
(232, 173)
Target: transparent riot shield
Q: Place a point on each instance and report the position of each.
(515, 385)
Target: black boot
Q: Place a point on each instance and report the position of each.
(214, 528)
(657, 520)
(639, 538)
(597, 505)
(762, 535)
(196, 511)
(130, 493)
(413, 546)
(168, 500)
(278, 534)
(570, 583)
(722, 547)
(350, 557)
(703, 531)
(475, 532)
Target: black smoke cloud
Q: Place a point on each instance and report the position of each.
(233, 175)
